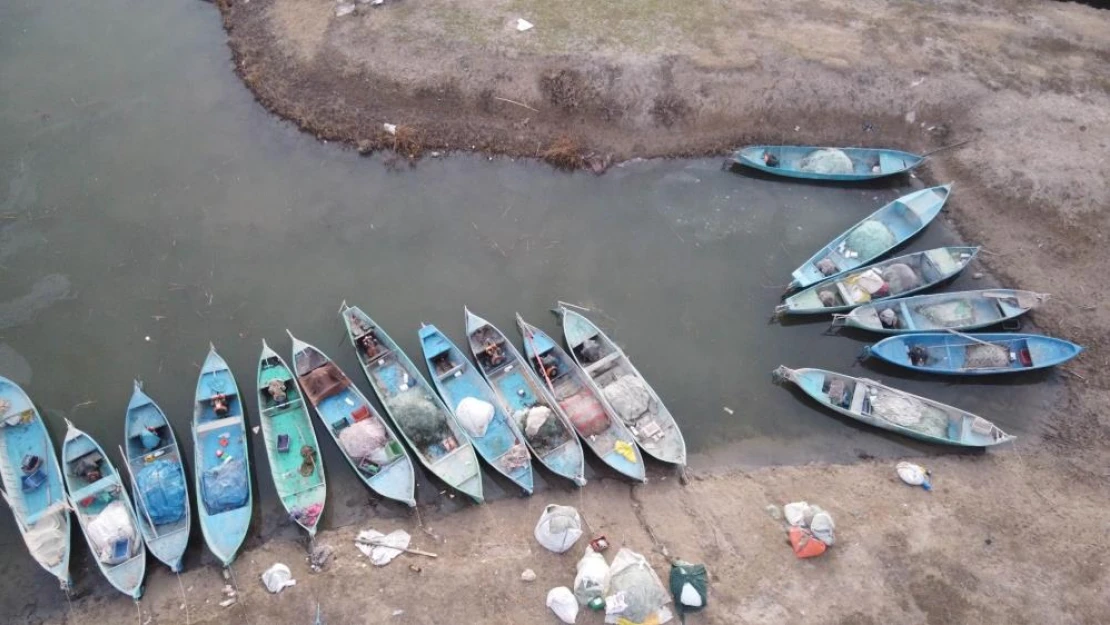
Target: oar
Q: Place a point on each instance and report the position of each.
(949, 147)
(376, 542)
(539, 361)
(138, 492)
(970, 338)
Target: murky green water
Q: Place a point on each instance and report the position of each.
(149, 206)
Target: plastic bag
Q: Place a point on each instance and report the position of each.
(559, 528)
(689, 586)
(224, 487)
(161, 486)
(913, 474)
(804, 544)
(277, 577)
(111, 526)
(592, 579)
(822, 527)
(795, 512)
(536, 418)
(636, 593)
(562, 603)
(474, 415)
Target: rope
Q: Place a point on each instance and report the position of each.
(184, 600)
(138, 612)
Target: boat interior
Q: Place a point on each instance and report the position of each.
(873, 283)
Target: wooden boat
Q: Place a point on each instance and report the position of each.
(410, 402)
(623, 388)
(894, 410)
(370, 445)
(32, 479)
(879, 281)
(799, 161)
(104, 511)
(290, 441)
(519, 390)
(566, 384)
(962, 310)
(501, 444)
(158, 479)
(973, 354)
(874, 236)
(221, 468)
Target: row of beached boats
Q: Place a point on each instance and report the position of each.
(506, 406)
(931, 333)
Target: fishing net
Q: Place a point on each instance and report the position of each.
(365, 439)
(910, 412)
(870, 239)
(900, 278)
(630, 398)
(541, 427)
(516, 458)
(636, 593)
(161, 485)
(48, 539)
(423, 421)
(986, 357)
(948, 314)
(826, 161)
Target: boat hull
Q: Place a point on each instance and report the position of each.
(890, 162)
(951, 354)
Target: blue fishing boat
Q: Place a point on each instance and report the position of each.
(33, 486)
(290, 441)
(422, 419)
(973, 354)
(104, 512)
(221, 469)
(962, 310)
(817, 163)
(546, 428)
(623, 388)
(897, 411)
(157, 479)
(364, 438)
(476, 408)
(874, 236)
(565, 384)
(888, 279)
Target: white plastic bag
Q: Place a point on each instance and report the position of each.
(112, 525)
(382, 548)
(559, 528)
(912, 474)
(562, 603)
(536, 418)
(795, 513)
(277, 577)
(822, 527)
(474, 415)
(592, 580)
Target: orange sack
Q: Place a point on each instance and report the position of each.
(805, 545)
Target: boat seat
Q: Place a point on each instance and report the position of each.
(216, 424)
(597, 367)
(93, 489)
(450, 372)
(859, 394)
(35, 517)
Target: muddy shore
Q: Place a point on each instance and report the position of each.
(1010, 537)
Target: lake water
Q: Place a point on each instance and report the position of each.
(148, 206)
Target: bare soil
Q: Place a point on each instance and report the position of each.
(1007, 537)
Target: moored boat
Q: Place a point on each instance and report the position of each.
(897, 411)
(874, 236)
(960, 310)
(833, 164)
(104, 512)
(615, 379)
(422, 419)
(565, 384)
(221, 468)
(896, 277)
(364, 438)
(476, 408)
(33, 486)
(973, 354)
(545, 427)
(158, 481)
(291, 446)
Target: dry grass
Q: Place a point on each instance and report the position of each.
(565, 153)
